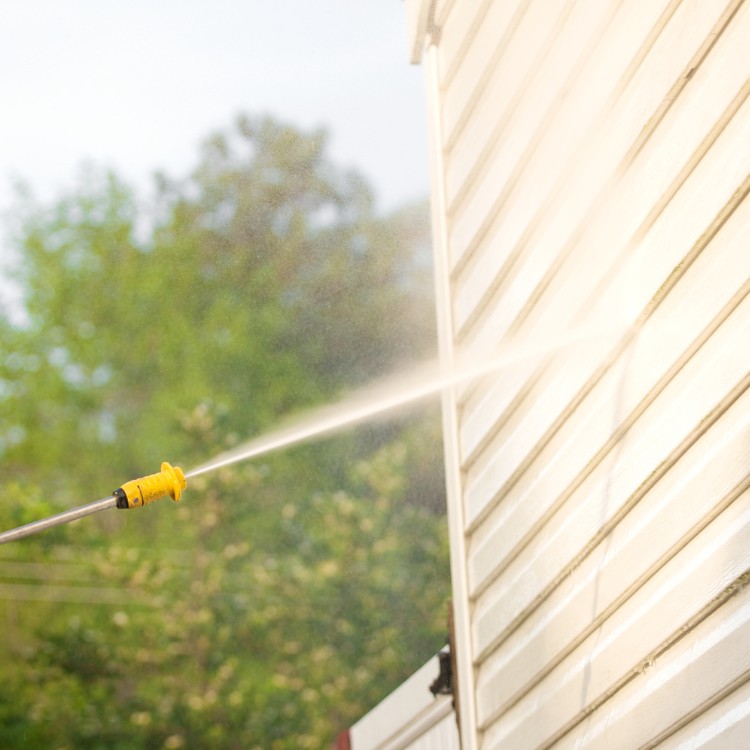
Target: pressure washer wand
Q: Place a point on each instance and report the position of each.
(169, 482)
(66, 517)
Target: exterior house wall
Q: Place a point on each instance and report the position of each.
(591, 163)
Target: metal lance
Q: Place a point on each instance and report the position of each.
(169, 482)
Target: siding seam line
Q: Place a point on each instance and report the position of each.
(730, 497)
(469, 185)
(637, 411)
(669, 283)
(641, 491)
(734, 588)
(602, 199)
(597, 127)
(450, 73)
(698, 710)
(471, 102)
(616, 436)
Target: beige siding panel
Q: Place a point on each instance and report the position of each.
(724, 725)
(495, 403)
(457, 32)
(519, 207)
(678, 229)
(668, 156)
(576, 216)
(592, 173)
(722, 159)
(534, 64)
(664, 344)
(690, 675)
(712, 474)
(642, 455)
(635, 639)
(529, 106)
(513, 447)
(493, 34)
(652, 619)
(621, 60)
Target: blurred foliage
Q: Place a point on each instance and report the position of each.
(283, 597)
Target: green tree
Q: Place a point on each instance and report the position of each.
(266, 284)
(282, 597)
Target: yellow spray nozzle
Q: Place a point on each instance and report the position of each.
(170, 481)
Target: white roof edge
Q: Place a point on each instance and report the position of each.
(408, 707)
(417, 22)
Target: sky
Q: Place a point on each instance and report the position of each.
(137, 85)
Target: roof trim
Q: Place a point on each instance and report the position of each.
(418, 13)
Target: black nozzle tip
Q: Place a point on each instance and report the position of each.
(122, 500)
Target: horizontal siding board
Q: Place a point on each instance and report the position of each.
(626, 645)
(487, 45)
(660, 435)
(519, 90)
(492, 402)
(655, 615)
(701, 484)
(596, 168)
(576, 218)
(724, 725)
(700, 666)
(619, 65)
(506, 454)
(666, 199)
(679, 233)
(528, 105)
(666, 339)
(457, 32)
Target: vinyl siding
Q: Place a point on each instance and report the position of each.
(591, 165)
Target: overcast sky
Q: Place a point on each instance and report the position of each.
(137, 84)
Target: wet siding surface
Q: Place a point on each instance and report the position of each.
(591, 165)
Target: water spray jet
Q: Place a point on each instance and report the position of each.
(371, 402)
